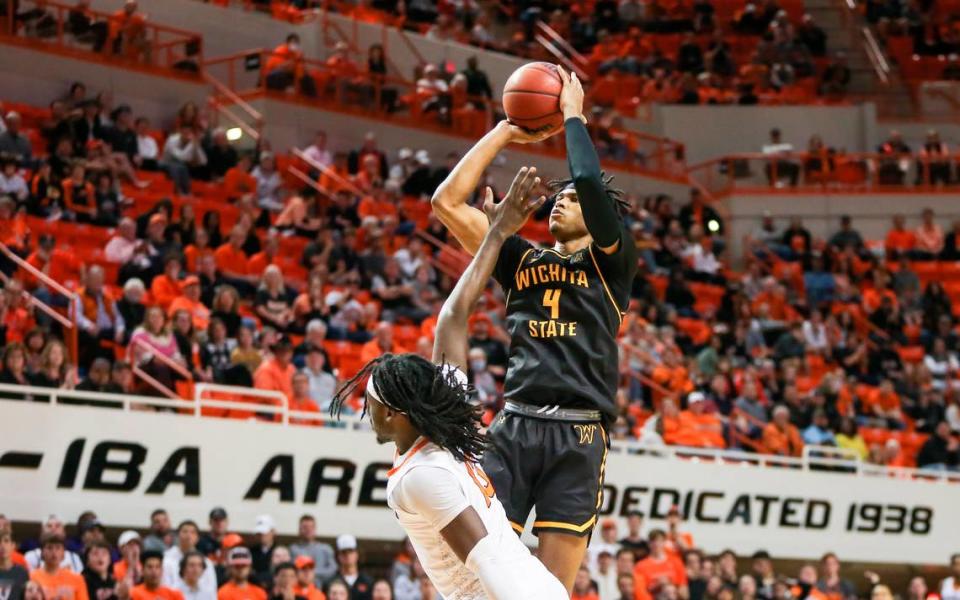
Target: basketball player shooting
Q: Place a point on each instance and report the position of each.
(547, 448)
(439, 493)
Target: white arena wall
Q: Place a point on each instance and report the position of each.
(122, 465)
(871, 212)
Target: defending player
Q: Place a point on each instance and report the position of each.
(441, 496)
(564, 308)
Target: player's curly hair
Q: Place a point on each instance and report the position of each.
(429, 395)
(616, 194)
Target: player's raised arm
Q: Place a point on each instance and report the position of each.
(504, 219)
(467, 223)
(599, 211)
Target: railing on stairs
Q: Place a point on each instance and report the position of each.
(68, 321)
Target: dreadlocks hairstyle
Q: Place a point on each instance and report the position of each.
(617, 195)
(429, 395)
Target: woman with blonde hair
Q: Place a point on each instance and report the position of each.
(152, 339)
(226, 307)
(272, 302)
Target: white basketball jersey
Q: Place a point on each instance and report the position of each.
(428, 488)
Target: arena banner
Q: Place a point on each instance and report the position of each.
(63, 460)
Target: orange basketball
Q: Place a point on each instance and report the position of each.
(531, 97)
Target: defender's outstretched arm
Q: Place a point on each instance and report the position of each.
(505, 219)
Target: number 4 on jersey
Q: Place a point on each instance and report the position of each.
(551, 300)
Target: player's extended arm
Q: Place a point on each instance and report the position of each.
(599, 213)
(467, 223)
(505, 219)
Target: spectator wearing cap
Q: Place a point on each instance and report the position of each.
(193, 565)
(210, 542)
(401, 169)
(160, 537)
(262, 549)
(152, 587)
(183, 156)
(276, 374)
(238, 587)
(53, 528)
(307, 545)
(306, 586)
(189, 300)
(356, 158)
(13, 576)
(348, 569)
(188, 534)
(129, 568)
(97, 574)
(606, 542)
(13, 143)
(58, 582)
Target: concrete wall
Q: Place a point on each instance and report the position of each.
(292, 125)
(712, 131)
(37, 78)
(871, 213)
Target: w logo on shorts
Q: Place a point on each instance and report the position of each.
(586, 433)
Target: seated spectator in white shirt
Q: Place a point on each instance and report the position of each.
(147, 150)
(192, 567)
(269, 183)
(53, 526)
(12, 182)
(182, 153)
(323, 384)
(411, 258)
(318, 152)
(188, 534)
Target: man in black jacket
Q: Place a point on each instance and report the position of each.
(940, 452)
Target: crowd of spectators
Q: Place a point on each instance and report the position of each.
(185, 563)
(669, 52)
(816, 339)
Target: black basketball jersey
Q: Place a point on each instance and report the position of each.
(563, 315)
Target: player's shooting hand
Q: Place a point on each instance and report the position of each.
(509, 215)
(519, 135)
(571, 96)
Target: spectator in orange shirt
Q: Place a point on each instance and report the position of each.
(239, 587)
(232, 261)
(285, 67)
(583, 587)
(238, 182)
(660, 569)
(300, 400)
(382, 343)
(883, 403)
(151, 589)
(127, 32)
(305, 579)
(781, 437)
(166, 286)
(700, 429)
(276, 373)
(336, 178)
(266, 257)
(131, 546)
(929, 238)
(900, 240)
(189, 301)
(58, 583)
(677, 542)
(199, 247)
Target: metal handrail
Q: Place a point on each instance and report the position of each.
(327, 171)
(73, 299)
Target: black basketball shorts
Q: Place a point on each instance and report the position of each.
(555, 466)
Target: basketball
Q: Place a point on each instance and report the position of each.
(531, 97)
